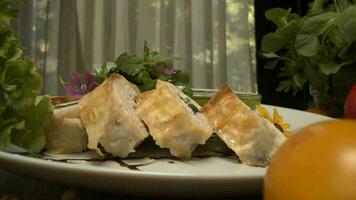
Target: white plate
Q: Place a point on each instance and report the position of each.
(214, 176)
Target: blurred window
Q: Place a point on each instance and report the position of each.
(214, 38)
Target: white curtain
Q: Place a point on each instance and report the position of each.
(213, 38)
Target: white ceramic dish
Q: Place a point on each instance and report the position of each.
(214, 176)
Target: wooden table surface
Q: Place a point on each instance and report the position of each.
(14, 186)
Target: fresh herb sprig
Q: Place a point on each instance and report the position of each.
(145, 71)
(317, 49)
(23, 114)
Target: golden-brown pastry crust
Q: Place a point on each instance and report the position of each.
(65, 132)
(250, 136)
(93, 114)
(222, 106)
(109, 116)
(171, 123)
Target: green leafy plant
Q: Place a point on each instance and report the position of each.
(318, 49)
(145, 71)
(23, 114)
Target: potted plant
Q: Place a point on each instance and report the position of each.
(318, 49)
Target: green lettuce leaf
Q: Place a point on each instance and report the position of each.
(23, 114)
(36, 118)
(21, 82)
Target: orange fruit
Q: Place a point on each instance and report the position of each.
(317, 163)
(316, 111)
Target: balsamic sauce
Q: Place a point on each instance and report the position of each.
(107, 158)
(150, 150)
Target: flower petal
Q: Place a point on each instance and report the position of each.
(88, 78)
(264, 113)
(74, 79)
(287, 133)
(276, 117)
(72, 92)
(89, 81)
(285, 126)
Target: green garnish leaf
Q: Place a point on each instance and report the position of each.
(307, 42)
(36, 117)
(129, 64)
(101, 74)
(145, 71)
(180, 77)
(20, 81)
(328, 66)
(23, 114)
(313, 49)
(279, 16)
(272, 42)
(143, 77)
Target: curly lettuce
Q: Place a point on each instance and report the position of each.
(23, 114)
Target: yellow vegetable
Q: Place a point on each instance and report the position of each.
(317, 163)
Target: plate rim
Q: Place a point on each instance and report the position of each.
(7, 158)
(13, 158)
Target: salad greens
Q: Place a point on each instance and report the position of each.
(316, 49)
(23, 114)
(145, 71)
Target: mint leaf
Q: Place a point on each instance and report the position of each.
(278, 16)
(289, 31)
(270, 55)
(307, 44)
(346, 23)
(307, 41)
(272, 42)
(336, 39)
(129, 64)
(143, 77)
(271, 64)
(287, 85)
(180, 78)
(317, 79)
(145, 71)
(299, 80)
(327, 66)
(103, 72)
(149, 85)
(317, 7)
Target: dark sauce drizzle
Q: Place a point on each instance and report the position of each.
(106, 158)
(120, 161)
(142, 152)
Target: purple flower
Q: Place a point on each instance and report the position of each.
(79, 84)
(167, 68)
